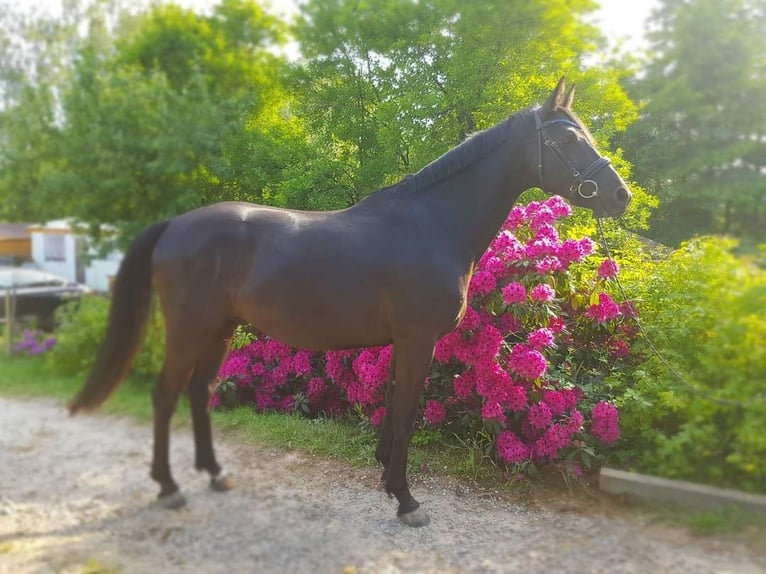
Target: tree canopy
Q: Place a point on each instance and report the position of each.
(152, 113)
(700, 141)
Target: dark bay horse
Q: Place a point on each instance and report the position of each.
(393, 268)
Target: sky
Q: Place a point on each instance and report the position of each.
(621, 20)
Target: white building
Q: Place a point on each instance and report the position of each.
(58, 249)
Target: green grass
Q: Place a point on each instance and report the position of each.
(28, 377)
(327, 437)
(726, 520)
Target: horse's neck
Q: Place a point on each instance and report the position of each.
(473, 203)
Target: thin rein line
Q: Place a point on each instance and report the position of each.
(702, 394)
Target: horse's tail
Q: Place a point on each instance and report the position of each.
(131, 299)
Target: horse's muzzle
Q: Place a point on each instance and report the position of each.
(615, 204)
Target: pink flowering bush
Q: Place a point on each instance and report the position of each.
(524, 367)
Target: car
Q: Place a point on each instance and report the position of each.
(37, 294)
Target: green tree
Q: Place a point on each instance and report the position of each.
(700, 142)
(389, 85)
(35, 57)
(160, 112)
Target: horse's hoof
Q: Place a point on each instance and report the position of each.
(171, 501)
(416, 518)
(222, 482)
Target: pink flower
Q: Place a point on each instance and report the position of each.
(575, 421)
(546, 231)
(446, 347)
(335, 366)
(515, 218)
(257, 369)
(556, 325)
(236, 365)
(377, 416)
(553, 440)
(555, 401)
(316, 387)
(527, 362)
(491, 410)
(434, 413)
(608, 269)
(263, 401)
(301, 363)
(540, 338)
(470, 320)
(572, 396)
(510, 447)
(482, 283)
(516, 398)
(605, 310)
(587, 246)
(539, 416)
(274, 351)
(544, 216)
(540, 247)
(548, 264)
(493, 265)
(464, 384)
(559, 207)
(605, 425)
(215, 400)
(542, 293)
(514, 292)
(569, 251)
(504, 240)
(619, 349)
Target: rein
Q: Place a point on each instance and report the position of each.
(580, 180)
(742, 405)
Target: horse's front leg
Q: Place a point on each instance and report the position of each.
(413, 359)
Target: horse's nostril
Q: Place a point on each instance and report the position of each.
(624, 195)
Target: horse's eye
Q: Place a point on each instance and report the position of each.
(570, 137)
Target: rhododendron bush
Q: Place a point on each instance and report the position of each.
(523, 367)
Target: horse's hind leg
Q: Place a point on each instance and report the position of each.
(178, 366)
(199, 394)
(385, 437)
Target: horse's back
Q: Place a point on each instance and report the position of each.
(310, 279)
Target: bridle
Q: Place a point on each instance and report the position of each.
(581, 181)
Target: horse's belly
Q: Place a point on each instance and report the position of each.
(317, 316)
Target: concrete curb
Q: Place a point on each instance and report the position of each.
(677, 491)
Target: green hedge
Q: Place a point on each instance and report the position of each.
(81, 328)
(705, 309)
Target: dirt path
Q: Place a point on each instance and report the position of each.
(75, 496)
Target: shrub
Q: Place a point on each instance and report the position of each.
(522, 370)
(703, 307)
(81, 328)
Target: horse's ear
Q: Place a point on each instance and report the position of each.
(569, 98)
(556, 98)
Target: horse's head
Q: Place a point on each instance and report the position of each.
(568, 163)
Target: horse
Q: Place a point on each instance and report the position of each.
(392, 269)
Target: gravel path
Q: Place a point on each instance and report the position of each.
(75, 497)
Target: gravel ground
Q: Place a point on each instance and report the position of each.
(75, 497)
